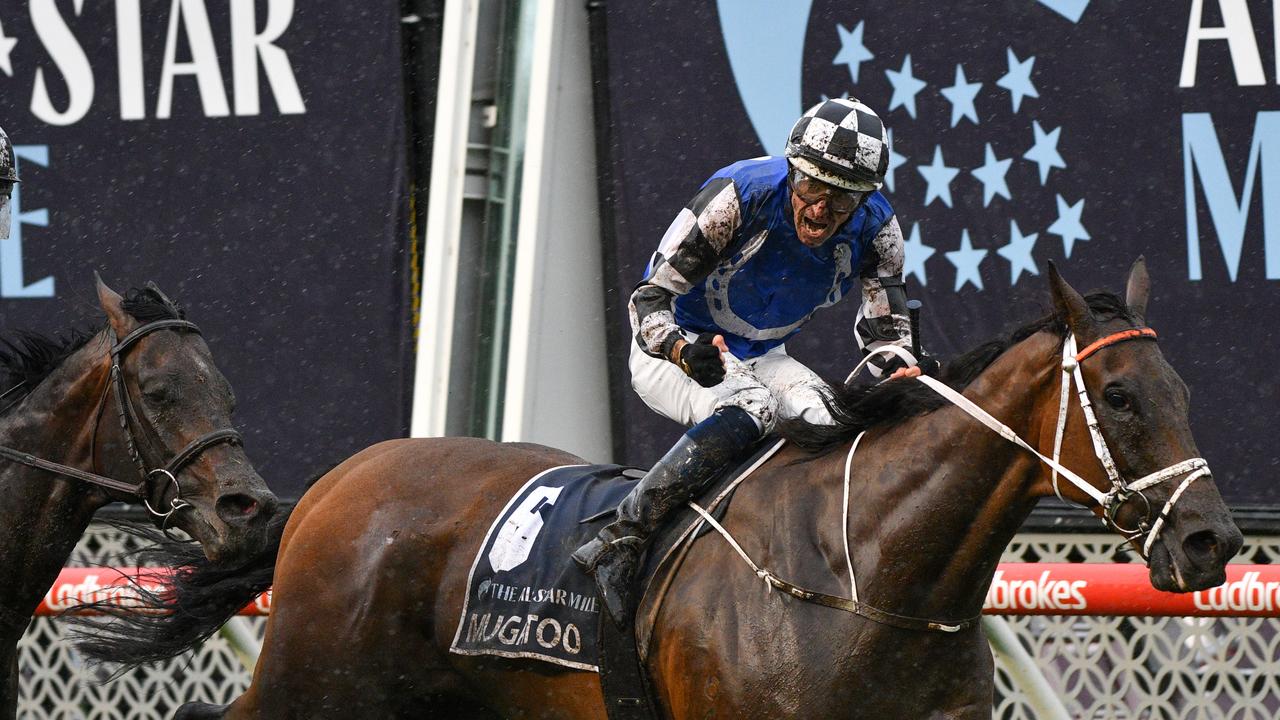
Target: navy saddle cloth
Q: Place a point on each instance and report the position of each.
(526, 598)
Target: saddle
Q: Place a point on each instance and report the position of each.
(527, 599)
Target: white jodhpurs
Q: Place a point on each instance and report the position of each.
(770, 387)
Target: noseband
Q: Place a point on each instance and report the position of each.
(153, 483)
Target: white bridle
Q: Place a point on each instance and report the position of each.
(1121, 490)
(1110, 502)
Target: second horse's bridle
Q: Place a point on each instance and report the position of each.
(153, 483)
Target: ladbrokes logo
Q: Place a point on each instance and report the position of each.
(1043, 593)
(116, 591)
(1246, 594)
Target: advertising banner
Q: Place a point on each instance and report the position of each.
(1074, 131)
(249, 156)
(1041, 588)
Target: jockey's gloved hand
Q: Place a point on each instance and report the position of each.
(929, 365)
(701, 361)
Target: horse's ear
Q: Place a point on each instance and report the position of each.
(113, 305)
(155, 289)
(1070, 304)
(1138, 288)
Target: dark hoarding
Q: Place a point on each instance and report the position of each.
(1083, 133)
(249, 156)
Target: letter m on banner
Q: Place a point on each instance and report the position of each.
(1230, 213)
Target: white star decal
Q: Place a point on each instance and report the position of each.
(915, 253)
(967, 260)
(852, 51)
(895, 160)
(1018, 253)
(6, 47)
(1068, 225)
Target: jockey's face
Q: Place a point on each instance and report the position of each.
(6, 189)
(818, 209)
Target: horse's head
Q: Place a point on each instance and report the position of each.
(167, 418)
(1159, 493)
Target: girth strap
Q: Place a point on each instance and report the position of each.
(884, 617)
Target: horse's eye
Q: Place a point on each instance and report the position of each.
(160, 394)
(1117, 399)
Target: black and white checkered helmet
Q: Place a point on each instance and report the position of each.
(840, 142)
(8, 166)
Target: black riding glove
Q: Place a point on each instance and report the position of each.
(701, 361)
(928, 365)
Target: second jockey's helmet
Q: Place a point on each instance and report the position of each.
(8, 165)
(8, 176)
(840, 142)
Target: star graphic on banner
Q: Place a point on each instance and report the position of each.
(852, 52)
(916, 252)
(1018, 80)
(967, 261)
(894, 160)
(905, 87)
(1045, 150)
(6, 47)
(961, 96)
(1068, 224)
(1069, 9)
(939, 177)
(1018, 253)
(992, 175)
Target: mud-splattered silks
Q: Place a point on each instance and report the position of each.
(731, 263)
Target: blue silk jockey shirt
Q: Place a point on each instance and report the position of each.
(767, 283)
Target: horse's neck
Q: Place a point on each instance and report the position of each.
(43, 515)
(56, 420)
(936, 501)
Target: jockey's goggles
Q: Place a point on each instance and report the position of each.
(813, 191)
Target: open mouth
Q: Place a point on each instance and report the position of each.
(813, 227)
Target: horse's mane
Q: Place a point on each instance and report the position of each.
(28, 357)
(857, 407)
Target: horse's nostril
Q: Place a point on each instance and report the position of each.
(1203, 546)
(237, 507)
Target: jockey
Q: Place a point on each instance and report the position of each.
(8, 176)
(763, 245)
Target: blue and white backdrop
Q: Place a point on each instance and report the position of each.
(249, 157)
(1024, 131)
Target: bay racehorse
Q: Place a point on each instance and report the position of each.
(135, 411)
(370, 576)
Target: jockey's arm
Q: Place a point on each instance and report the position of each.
(688, 253)
(883, 318)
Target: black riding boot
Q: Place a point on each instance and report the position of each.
(703, 451)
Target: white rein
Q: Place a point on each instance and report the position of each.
(1110, 501)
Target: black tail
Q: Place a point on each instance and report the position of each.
(193, 603)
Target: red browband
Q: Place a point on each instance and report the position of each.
(1116, 338)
